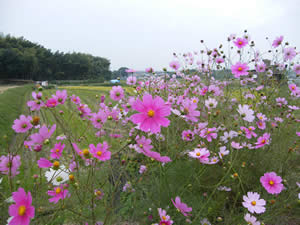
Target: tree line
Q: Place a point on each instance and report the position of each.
(23, 59)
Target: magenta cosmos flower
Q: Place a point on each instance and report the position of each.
(263, 140)
(240, 42)
(23, 124)
(277, 41)
(272, 183)
(174, 65)
(57, 151)
(131, 80)
(22, 211)
(58, 193)
(253, 203)
(152, 113)
(10, 162)
(101, 151)
(116, 93)
(239, 69)
(61, 96)
(182, 207)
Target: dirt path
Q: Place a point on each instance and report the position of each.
(5, 87)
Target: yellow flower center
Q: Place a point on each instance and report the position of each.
(198, 154)
(208, 132)
(86, 152)
(57, 190)
(271, 182)
(240, 42)
(57, 150)
(99, 153)
(186, 110)
(293, 88)
(164, 218)
(240, 69)
(151, 113)
(56, 164)
(263, 141)
(98, 193)
(71, 177)
(250, 128)
(195, 101)
(253, 203)
(22, 210)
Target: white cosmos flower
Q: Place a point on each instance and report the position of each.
(246, 113)
(57, 177)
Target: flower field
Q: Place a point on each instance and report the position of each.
(182, 148)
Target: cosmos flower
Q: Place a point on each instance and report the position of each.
(260, 68)
(58, 193)
(272, 183)
(251, 220)
(23, 124)
(246, 113)
(240, 42)
(117, 93)
(100, 152)
(61, 96)
(152, 113)
(289, 53)
(239, 69)
(56, 151)
(22, 211)
(11, 163)
(57, 177)
(131, 80)
(277, 41)
(253, 203)
(175, 65)
(182, 207)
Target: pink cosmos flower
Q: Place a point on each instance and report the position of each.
(101, 151)
(182, 207)
(149, 70)
(281, 101)
(22, 211)
(84, 110)
(51, 103)
(272, 183)
(261, 124)
(157, 156)
(253, 203)
(294, 89)
(175, 65)
(260, 68)
(44, 163)
(142, 169)
(187, 135)
(116, 93)
(263, 140)
(43, 134)
(152, 113)
(208, 133)
(37, 103)
(164, 217)
(251, 219)
(98, 119)
(289, 53)
(11, 163)
(58, 193)
(249, 132)
(200, 153)
(60, 96)
(189, 110)
(240, 42)
(296, 69)
(219, 60)
(75, 99)
(131, 80)
(240, 69)
(236, 145)
(277, 41)
(143, 144)
(57, 151)
(23, 124)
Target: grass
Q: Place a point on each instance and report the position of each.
(12, 104)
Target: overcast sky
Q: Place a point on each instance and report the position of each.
(143, 33)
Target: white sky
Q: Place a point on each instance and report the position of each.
(143, 33)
